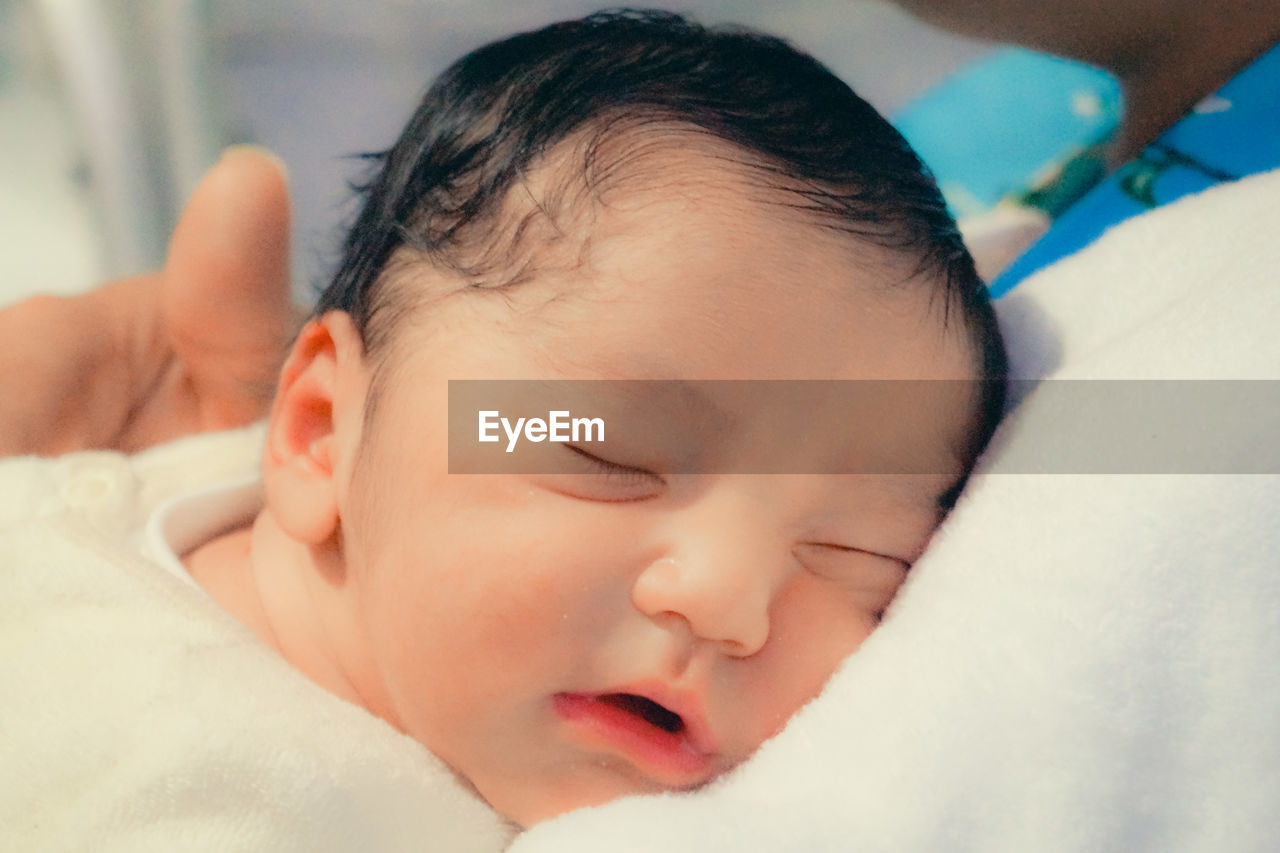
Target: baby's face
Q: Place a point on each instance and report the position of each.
(563, 639)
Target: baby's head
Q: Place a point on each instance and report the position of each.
(623, 197)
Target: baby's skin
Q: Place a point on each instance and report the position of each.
(563, 639)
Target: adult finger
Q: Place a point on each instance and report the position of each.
(225, 294)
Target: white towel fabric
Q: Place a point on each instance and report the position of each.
(1080, 662)
(136, 715)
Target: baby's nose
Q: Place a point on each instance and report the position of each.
(723, 597)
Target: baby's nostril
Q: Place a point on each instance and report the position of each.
(650, 711)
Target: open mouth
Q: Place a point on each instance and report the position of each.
(662, 742)
(646, 709)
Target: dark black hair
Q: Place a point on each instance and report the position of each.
(489, 118)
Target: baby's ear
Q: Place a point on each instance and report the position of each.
(322, 388)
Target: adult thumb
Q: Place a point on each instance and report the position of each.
(225, 294)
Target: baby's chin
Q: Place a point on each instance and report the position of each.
(527, 815)
(527, 806)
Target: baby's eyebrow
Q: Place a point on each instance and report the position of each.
(690, 399)
(914, 491)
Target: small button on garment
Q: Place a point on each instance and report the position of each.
(99, 486)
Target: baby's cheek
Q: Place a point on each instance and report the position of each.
(814, 628)
(527, 604)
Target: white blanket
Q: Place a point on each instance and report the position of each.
(1080, 662)
(136, 715)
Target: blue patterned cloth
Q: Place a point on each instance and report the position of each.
(1232, 133)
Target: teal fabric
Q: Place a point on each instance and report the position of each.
(1030, 114)
(1231, 134)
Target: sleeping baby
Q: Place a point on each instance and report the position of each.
(624, 197)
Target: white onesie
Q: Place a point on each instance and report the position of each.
(137, 715)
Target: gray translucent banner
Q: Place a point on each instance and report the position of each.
(859, 427)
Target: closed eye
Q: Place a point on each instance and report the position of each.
(851, 549)
(870, 579)
(601, 479)
(894, 557)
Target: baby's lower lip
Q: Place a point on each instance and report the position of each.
(666, 757)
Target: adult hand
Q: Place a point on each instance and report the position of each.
(192, 348)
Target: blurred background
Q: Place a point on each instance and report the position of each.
(110, 109)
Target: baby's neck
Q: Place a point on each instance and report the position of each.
(224, 568)
(272, 584)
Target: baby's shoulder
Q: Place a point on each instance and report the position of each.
(134, 702)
